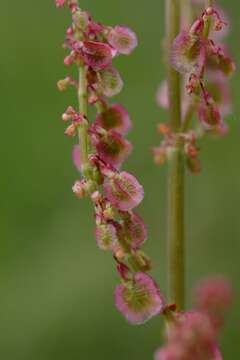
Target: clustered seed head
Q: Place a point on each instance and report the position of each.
(114, 193)
(205, 67)
(194, 335)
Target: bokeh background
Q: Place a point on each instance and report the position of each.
(56, 287)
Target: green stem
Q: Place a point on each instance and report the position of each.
(188, 117)
(175, 212)
(83, 128)
(207, 25)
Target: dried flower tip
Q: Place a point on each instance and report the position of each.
(135, 229)
(115, 117)
(123, 191)
(97, 55)
(106, 235)
(164, 129)
(63, 84)
(187, 52)
(109, 82)
(140, 299)
(112, 148)
(123, 39)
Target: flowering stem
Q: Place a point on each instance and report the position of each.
(83, 128)
(175, 214)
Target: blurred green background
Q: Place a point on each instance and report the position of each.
(56, 287)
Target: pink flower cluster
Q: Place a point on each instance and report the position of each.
(114, 193)
(205, 67)
(194, 335)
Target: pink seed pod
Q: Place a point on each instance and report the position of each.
(123, 190)
(109, 82)
(123, 39)
(187, 53)
(135, 229)
(106, 235)
(139, 299)
(214, 296)
(116, 117)
(218, 59)
(76, 157)
(209, 114)
(112, 148)
(97, 55)
(219, 88)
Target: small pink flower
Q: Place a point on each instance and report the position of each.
(139, 299)
(79, 188)
(123, 39)
(106, 235)
(60, 3)
(97, 55)
(111, 147)
(123, 191)
(135, 229)
(188, 52)
(115, 117)
(109, 82)
(76, 156)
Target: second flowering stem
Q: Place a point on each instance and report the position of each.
(175, 214)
